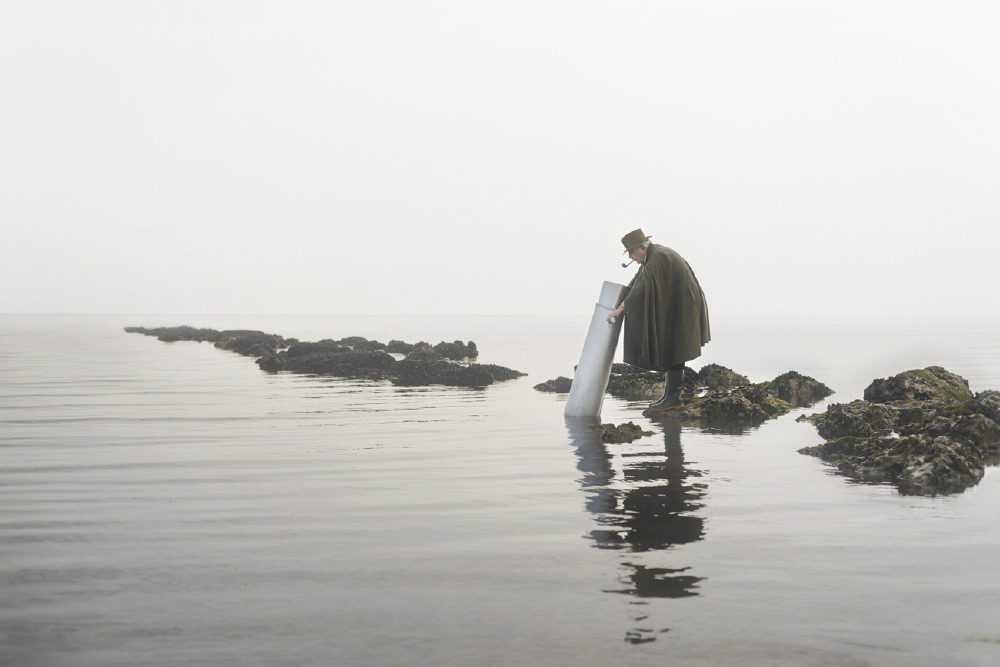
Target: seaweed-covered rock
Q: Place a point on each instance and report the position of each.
(857, 418)
(499, 373)
(626, 432)
(457, 350)
(745, 406)
(717, 378)
(922, 430)
(411, 373)
(797, 389)
(918, 464)
(423, 351)
(635, 384)
(352, 357)
(330, 359)
(932, 384)
(560, 385)
(245, 342)
(249, 343)
(399, 347)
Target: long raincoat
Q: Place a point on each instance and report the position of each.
(666, 315)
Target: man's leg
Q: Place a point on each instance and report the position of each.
(672, 390)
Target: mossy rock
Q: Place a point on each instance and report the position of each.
(932, 384)
(626, 432)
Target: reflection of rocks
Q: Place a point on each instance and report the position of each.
(922, 430)
(626, 432)
(352, 357)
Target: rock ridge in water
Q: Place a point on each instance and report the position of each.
(352, 357)
(715, 396)
(922, 430)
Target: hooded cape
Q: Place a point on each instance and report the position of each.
(666, 315)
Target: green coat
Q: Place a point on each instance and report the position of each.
(666, 315)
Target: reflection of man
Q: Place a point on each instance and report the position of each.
(666, 316)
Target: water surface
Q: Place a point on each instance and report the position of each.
(171, 504)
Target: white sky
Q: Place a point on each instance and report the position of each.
(468, 157)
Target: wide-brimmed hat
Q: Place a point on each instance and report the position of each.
(634, 239)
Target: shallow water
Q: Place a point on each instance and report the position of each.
(171, 504)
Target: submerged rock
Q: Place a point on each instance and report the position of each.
(922, 430)
(626, 432)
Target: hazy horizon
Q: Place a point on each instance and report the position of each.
(475, 158)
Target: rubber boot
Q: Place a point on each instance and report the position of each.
(672, 389)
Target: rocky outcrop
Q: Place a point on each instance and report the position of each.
(922, 430)
(353, 357)
(798, 390)
(744, 405)
(715, 396)
(247, 343)
(626, 432)
(560, 385)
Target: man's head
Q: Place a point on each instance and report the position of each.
(635, 243)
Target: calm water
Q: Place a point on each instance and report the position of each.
(170, 504)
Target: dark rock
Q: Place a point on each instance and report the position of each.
(359, 344)
(499, 373)
(717, 377)
(247, 343)
(352, 357)
(457, 351)
(330, 359)
(922, 430)
(797, 389)
(412, 373)
(635, 384)
(560, 385)
(626, 432)
(932, 384)
(918, 464)
(399, 347)
(750, 405)
(423, 352)
(857, 418)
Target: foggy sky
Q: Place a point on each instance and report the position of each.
(474, 157)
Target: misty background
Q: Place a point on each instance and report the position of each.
(450, 157)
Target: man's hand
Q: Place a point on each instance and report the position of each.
(618, 312)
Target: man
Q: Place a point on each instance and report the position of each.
(666, 316)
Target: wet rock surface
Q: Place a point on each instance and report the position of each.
(352, 357)
(922, 430)
(715, 397)
(626, 432)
